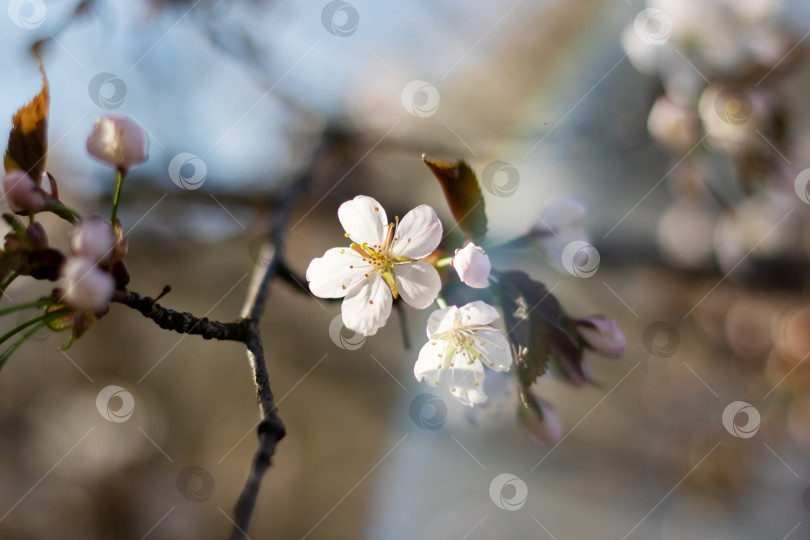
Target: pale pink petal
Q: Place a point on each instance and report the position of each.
(364, 219)
(473, 266)
(493, 343)
(418, 234)
(366, 308)
(334, 274)
(477, 312)
(418, 283)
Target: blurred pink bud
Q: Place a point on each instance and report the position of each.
(22, 193)
(544, 431)
(93, 240)
(603, 335)
(118, 141)
(473, 266)
(87, 287)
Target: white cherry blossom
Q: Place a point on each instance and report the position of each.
(473, 266)
(461, 342)
(381, 264)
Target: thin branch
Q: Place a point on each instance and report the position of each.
(271, 428)
(182, 322)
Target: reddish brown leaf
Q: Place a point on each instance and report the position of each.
(28, 140)
(463, 195)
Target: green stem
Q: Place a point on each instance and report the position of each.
(45, 318)
(17, 344)
(440, 302)
(26, 305)
(441, 263)
(119, 188)
(3, 286)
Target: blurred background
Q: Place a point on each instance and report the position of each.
(679, 124)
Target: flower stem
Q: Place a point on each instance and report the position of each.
(45, 318)
(440, 302)
(17, 344)
(3, 286)
(26, 305)
(441, 263)
(119, 188)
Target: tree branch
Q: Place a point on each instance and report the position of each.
(182, 322)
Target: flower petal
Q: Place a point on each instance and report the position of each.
(464, 380)
(364, 219)
(418, 283)
(418, 234)
(334, 274)
(441, 320)
(477, 312)
(366, 307)
(497, 353)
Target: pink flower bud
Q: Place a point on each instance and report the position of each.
(22, 193)
(544, 431)
(472, 265)
(603, 335)
(93, 240)
(87, 287)
(118, 141)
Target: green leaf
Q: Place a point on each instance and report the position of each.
(28, 140)
(463, 195)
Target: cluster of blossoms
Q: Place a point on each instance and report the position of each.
(387, 260)
(94, 267)
(719, 64)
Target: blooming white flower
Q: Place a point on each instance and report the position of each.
(87, 287)
(472, 265)
(22, 193)
(93, 240)
(118, 141)
(381, 263)
(461, 342)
